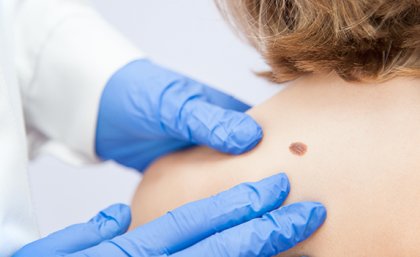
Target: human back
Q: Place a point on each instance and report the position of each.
(346, 130)
(362, 162)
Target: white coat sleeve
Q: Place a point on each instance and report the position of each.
(65, 54)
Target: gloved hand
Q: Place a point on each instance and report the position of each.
(241, 222)
(147, 111)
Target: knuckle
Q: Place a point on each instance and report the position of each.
(174, 102)
(284, 229)
(253, 195)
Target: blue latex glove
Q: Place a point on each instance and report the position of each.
(147, 111)
(241, 222)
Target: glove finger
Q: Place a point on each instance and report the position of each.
(105, 249)
(106, 225)
(196, 221)
(223, 100)
(185, 113)
(274, 233)
(224, 130)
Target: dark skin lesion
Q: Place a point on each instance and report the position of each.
(298, 148)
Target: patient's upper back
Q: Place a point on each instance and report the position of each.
(362, 159)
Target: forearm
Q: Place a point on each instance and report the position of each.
(65, 55)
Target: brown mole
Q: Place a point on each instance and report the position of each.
(298, 148)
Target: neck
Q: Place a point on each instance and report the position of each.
(332, 88)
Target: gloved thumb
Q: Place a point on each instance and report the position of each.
(107, 224)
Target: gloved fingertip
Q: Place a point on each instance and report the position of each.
(113, 220)
(306, 218)
(284, 184)
(285, 179)
(316, 218)
(281, 182)
(244, 136)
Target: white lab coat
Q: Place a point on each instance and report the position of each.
(55, 58)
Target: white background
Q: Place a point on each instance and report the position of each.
(186, 35)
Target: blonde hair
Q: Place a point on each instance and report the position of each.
(360, 40)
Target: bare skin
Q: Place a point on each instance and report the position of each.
(362, 161)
